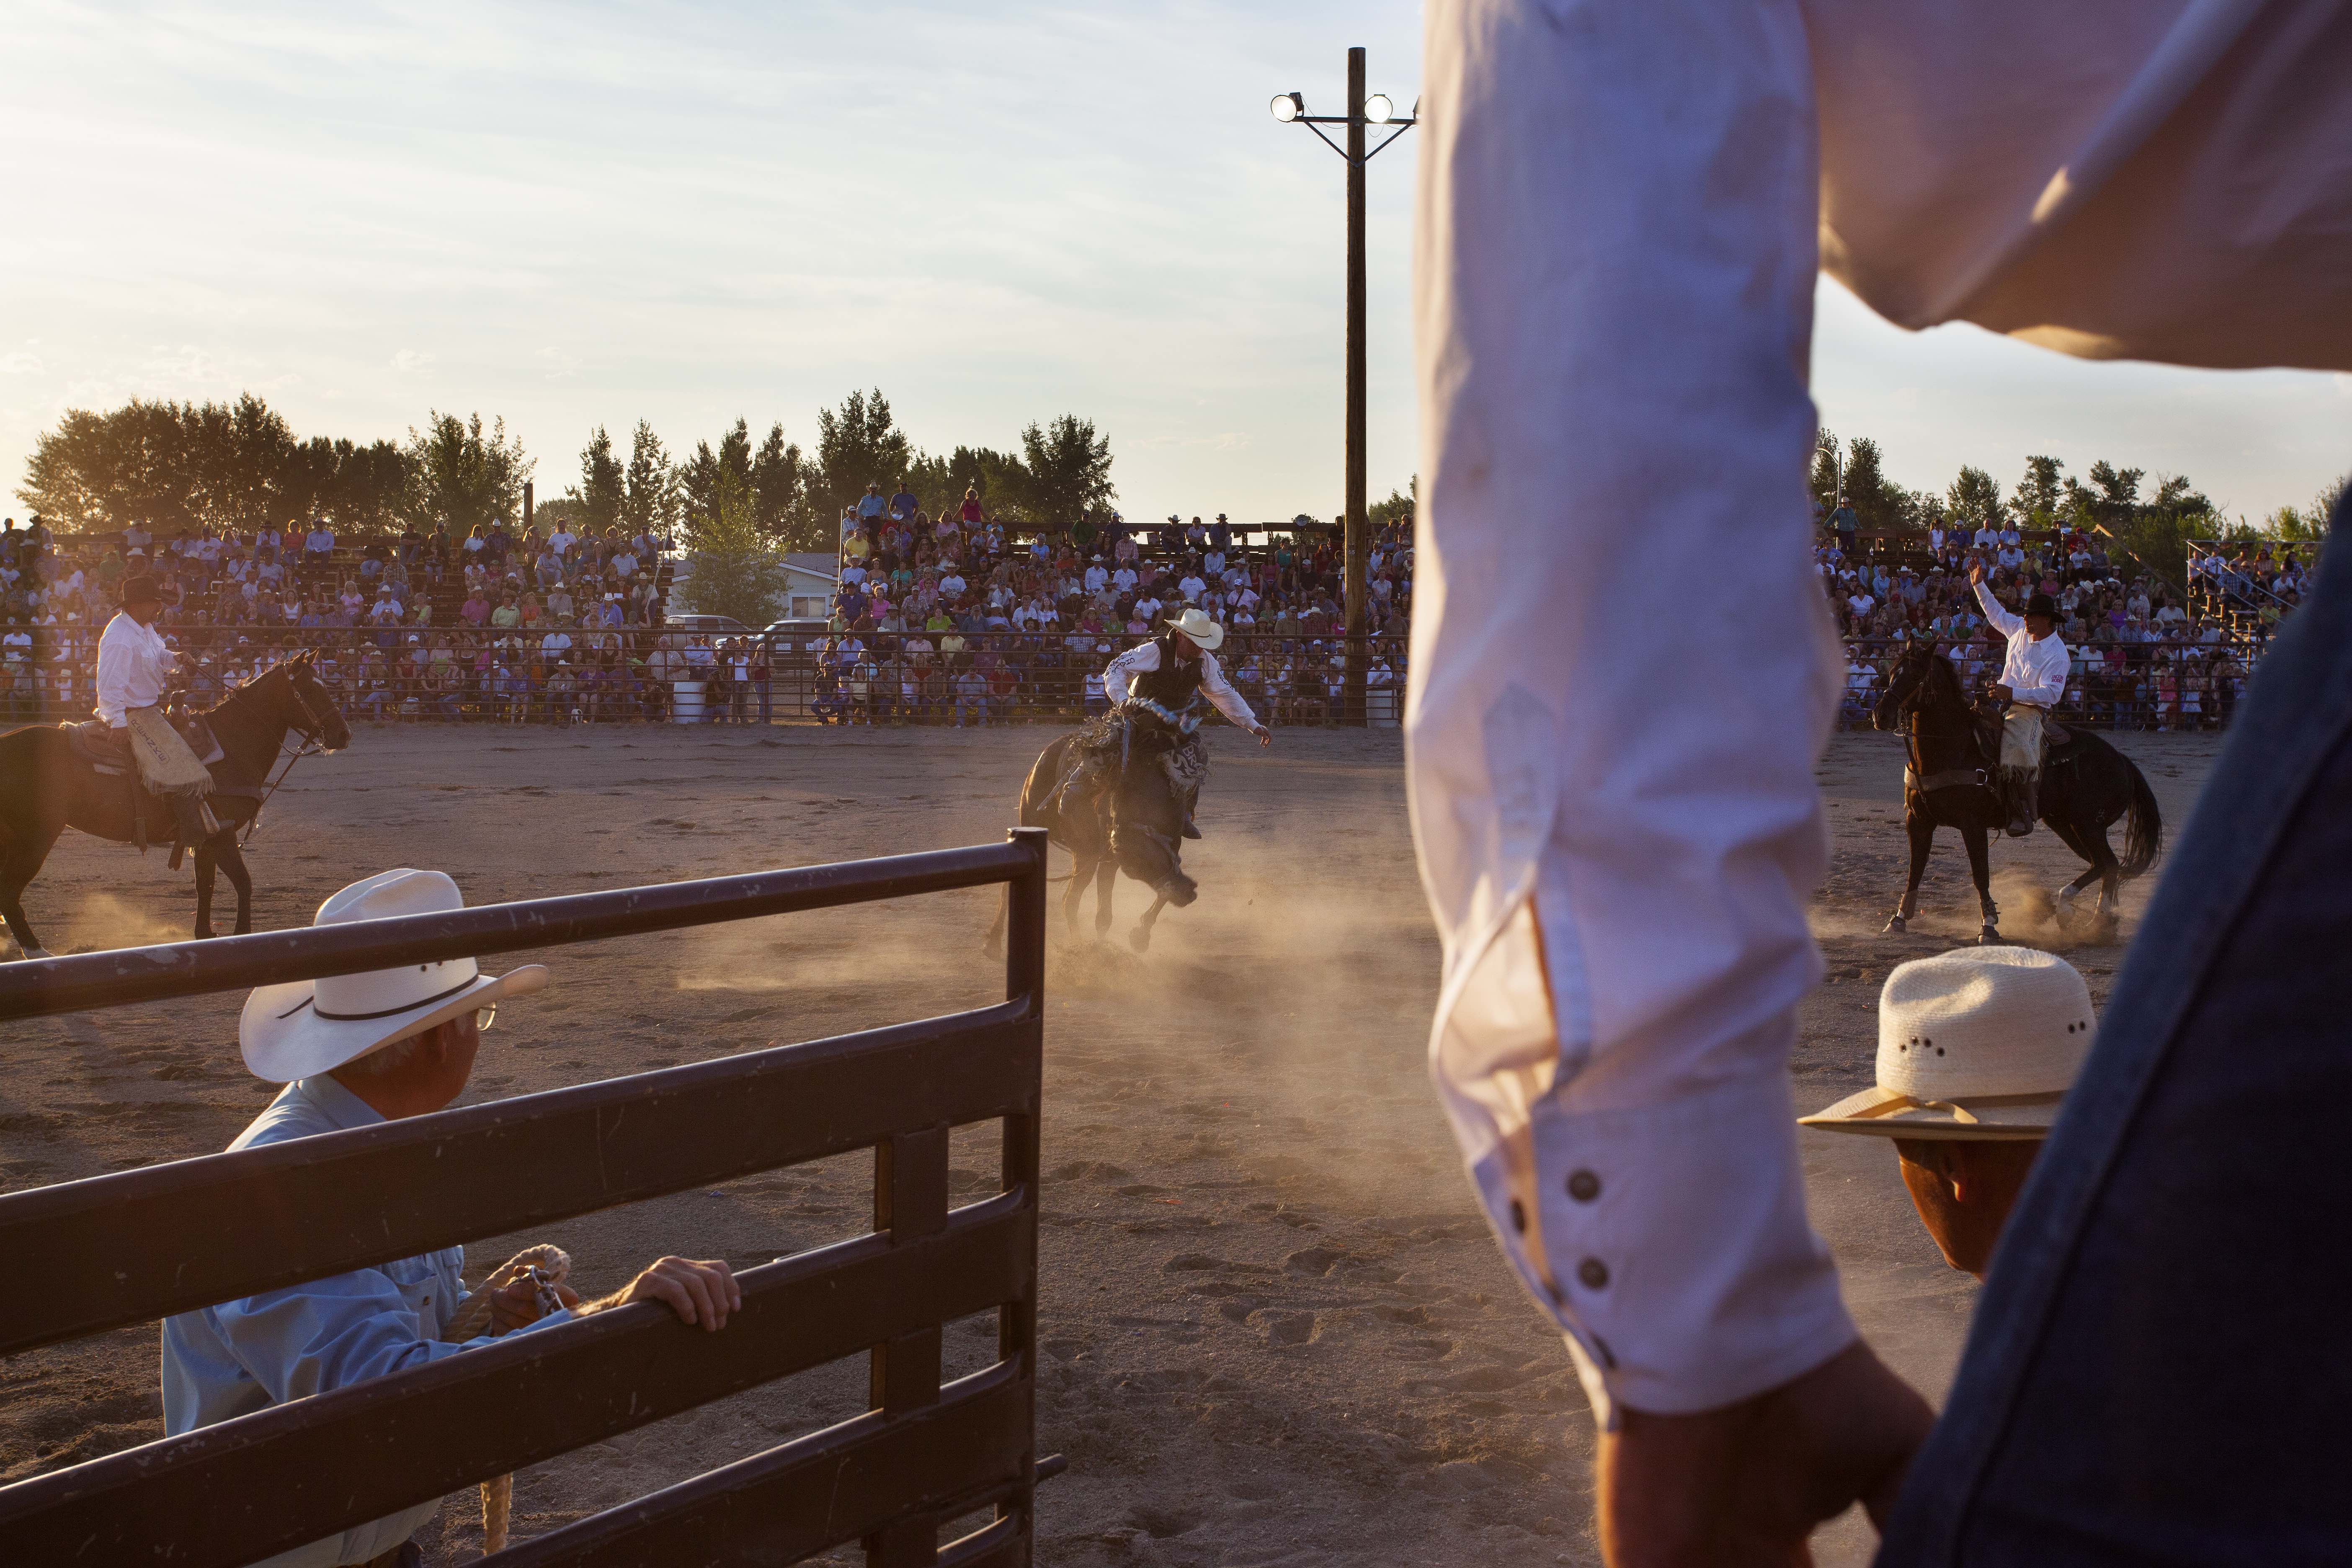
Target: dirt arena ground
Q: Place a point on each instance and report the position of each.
(1274, 1328)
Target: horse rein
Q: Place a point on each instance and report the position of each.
(312, 728)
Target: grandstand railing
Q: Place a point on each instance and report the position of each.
(138, 1245)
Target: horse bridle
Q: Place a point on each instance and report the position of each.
(313, 731)
(1916, 766)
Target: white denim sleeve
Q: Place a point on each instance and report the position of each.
(1612, 789)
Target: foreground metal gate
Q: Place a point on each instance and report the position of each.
(133, 1247)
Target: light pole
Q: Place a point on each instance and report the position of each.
(1290, 108)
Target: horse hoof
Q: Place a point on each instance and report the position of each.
(36, 952)
(1138, 939)
(993, 949)
(1897, 924)
(1988, 937)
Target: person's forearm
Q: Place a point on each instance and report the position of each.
(1615, 807)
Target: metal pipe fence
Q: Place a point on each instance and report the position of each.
(128, 1247)
(406, 674)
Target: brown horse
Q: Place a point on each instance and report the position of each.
(45, 787)
(1133, 824)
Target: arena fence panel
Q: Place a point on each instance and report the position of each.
(139, 1245)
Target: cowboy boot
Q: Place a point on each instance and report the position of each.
(2024, 804)
(1191, 798)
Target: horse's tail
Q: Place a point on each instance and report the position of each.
(2144, 828)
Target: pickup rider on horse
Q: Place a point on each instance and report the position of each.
(2032, 679)
(134, 671)
(1165, 679)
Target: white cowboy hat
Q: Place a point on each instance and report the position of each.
(1194, 623)
(307, 1027)
(1977, 1043)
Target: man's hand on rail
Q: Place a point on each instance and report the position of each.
(1748, 1483)
(515, 1304)
(703, 1294)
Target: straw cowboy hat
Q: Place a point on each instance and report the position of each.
(1979, 1043)
(1194, 623)
(309, 1027)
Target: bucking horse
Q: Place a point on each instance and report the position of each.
(1949, 764)
(48, 783)
(1122, 816)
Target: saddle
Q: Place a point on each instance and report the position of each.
(108, 753)
(1988, 722)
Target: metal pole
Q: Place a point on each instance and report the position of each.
(1356, 543)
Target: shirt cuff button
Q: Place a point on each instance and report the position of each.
(1583, 1187)
(1592, 1274)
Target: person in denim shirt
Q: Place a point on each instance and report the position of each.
(353, 1051)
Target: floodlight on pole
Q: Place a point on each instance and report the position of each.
(1378, 110)
(1288, 107)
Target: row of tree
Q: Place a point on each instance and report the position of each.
(2153, 526)
(239, 465)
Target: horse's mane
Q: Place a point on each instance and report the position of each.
(1941, 684)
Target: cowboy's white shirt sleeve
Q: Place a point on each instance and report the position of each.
(1122, 671)
(2035, 672)
(1621, 215)
(1229, 702)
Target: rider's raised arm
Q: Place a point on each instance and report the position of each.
(2004, 622)
(1141, 659)
(1229, 702)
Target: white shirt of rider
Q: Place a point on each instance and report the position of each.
(1145, 657)
(134, 663)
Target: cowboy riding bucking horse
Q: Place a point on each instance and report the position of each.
(1162, 681)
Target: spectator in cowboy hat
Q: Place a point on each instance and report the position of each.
(1976, 1048)
(356, 1050)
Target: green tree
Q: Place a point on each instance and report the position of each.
(1829, 459)
(1973, 499)
(2041, 495)
(779, 487)
(857, 445)
(733, 566)
(602, 486)
(1069, 471)
(460, 475)
(697, 477)
(649, 500)
(369, 489)
(1398, 507)
(1878, 501)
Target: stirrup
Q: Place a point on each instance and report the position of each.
(1189, 831)
(2020, 826)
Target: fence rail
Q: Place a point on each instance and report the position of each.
(2156, 687)
(627, 675)
(131, 1247)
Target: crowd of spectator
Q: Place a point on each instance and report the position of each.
(2143, 658)
(951, 617)
(494, 624)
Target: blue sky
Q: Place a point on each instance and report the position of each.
(579, 214)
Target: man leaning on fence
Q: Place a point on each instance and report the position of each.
(355, 1050)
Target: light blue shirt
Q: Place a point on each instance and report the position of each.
(242, 1356)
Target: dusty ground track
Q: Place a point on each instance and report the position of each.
(1274, 1328)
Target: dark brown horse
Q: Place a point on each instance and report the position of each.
(1133, 824)
(2086, 786)
(45, 787)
